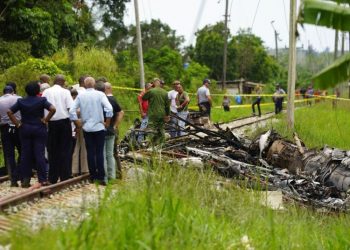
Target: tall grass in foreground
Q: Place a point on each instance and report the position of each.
(177, 208)
(321, 124)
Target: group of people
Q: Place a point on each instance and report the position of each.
(278, 97)
(59, 132)
(159, 108)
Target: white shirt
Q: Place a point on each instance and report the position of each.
(203, 93)
(81, 90)
(172, 97)
(61, 99)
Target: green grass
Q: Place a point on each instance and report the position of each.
(321, 124)
(177, 208)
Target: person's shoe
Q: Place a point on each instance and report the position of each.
(253, 114)
(45, 183)
(36, 186)
(25, 183)
(14, 184)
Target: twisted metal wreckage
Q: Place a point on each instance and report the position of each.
(316, 178)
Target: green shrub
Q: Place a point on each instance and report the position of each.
(12, 53)
(194, 75)
(87, 61)
(28, 71)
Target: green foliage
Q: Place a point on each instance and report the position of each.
(208, 50)
(251, 60)
(325, 13)
(47, 24)
(12, 53)
(110, 14)
(337, 72)
(246, 54)
(167, 63)
(37, 24)
(194, 75)
(156, 35)
(27, 71)
(331, 15)
(309, 62)
(85, 60)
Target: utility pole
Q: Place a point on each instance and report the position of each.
(292, 65)
(276, 39)
(225, 49)
(342, 43)
(139, 45)
(336, 39)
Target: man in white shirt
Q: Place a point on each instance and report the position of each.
(59, 145)
(204, 99)
(173, 109)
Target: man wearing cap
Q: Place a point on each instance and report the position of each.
(158, 111)
(173, 109)
(9, 134)
(204, 99)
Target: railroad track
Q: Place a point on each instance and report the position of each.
(246, 121)
(19, 198)
(70, 205)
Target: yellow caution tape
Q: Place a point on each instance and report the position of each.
(127, 88)
(332, 97)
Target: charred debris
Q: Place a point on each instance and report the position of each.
(314, 178)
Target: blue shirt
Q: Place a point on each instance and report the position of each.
(92, 104)
(31, 108)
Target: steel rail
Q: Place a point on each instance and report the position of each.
(30, 194)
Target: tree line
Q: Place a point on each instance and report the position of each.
(62, 36)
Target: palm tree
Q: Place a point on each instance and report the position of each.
(332, 14)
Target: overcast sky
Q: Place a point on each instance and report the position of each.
(181, 15)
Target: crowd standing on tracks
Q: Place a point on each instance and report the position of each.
(64, 132)
(59, 132)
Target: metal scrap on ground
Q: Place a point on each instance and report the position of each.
(316, 178)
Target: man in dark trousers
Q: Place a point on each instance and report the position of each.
(93, 104)
(59, 145)
(158, 111)
(9, 135)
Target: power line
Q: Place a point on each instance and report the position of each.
(285, 15)
(144, 10)
(319, 38)
(256, 11)
(150, 9)
(231, 8)
(196, 23)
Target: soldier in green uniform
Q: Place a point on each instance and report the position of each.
(158, 111)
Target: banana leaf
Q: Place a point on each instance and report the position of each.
(337, 72)
(340, 1)
(325, 13)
